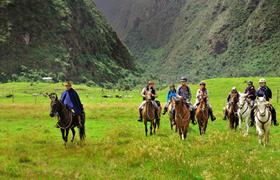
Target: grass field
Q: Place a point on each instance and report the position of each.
(116, 146)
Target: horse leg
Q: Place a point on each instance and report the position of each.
(205, 127)
(155, 127)
(66, 137)
(260, 133)
(146, 128)
(73, 134)
(63, 134)
(247, 126)
(151, 128)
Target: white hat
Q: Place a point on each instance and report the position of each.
(262, 80)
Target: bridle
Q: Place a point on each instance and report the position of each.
(262, 114)
(242, 106)
(60, 112)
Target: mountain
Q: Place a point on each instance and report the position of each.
(65, 39)
(199, 38)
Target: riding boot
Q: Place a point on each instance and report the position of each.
(79, 121)
(213, 118)
(140, 115)
(165, 110)
(252, 118)
(193, 116)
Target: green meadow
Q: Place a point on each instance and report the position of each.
(116, 146)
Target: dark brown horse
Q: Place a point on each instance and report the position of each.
(202, 114)
(182, 117)
(232, 112)
(67, 120)
(148, 114)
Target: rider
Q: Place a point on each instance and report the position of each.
(202, 90)
(71, 100)
(171, 93)
(185, 92)
(250, 91)
(149, 88)
(265, 92)
(232, 92)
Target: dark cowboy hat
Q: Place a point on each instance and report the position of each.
(172, 86)
(183, 79)
(250, 82)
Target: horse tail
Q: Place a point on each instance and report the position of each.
(82, 130)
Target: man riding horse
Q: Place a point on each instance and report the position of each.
(185, 92)
(264, 91)
(250, 91)
(150, 88)
(71, 100)
(232, 93)
(202, 91)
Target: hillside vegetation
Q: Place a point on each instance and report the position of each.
(200, 38)
(116, 146)
(62, 39)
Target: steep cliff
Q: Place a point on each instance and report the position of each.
(64, 39)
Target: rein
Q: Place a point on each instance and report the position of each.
(242, 106)
(258, 111)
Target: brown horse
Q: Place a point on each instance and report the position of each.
(148, 114)
(66, 118)
(202, 114)
(232, 112)
(182, 117)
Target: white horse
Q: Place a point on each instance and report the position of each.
(263, 120)
(244, 113)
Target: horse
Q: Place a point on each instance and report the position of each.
(170, 113)
(182, 117)
(263, 120)
(202, 114)
(244, 113)
(232, 114)
(67, 120)
(148, 114)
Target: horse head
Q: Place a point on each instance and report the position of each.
(179, 101)
(242, 100)
(148, 96)
(55, 104)
(262, 105)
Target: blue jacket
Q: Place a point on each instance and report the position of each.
(71, 99)
(170, 94)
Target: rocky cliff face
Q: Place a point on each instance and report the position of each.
(63, 39)
(201, 38)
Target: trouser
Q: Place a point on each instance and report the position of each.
(166, 107)
(273, 115)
